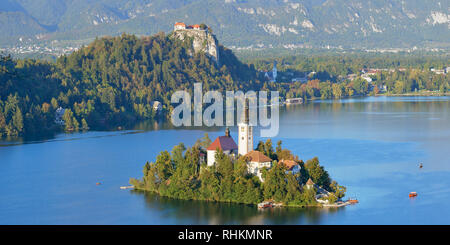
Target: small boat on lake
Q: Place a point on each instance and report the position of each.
(353, 201)
(412, 194)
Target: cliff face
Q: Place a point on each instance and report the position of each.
(202, 41)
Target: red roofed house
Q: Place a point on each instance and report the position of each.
(257, 161)
(179, 26)
(291, 166)
(225, 143)
(309, 184)
(196, 27)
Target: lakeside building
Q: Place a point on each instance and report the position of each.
(59, 113)
(293, 101)
(309, 184)
(367, 77)
(291, 166)
(224, 143)
(228, 145)
(156, 105)
(438, 71)
(352, 76)
(258, 161)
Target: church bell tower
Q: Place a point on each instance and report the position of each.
(245, 134)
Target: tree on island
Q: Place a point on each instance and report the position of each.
(204, 142)
(317, 173)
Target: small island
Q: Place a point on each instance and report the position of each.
(222, 171)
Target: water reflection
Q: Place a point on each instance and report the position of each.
(202, 212)
(314, 111)
(167, 125)
(371, 145)
(367, 104)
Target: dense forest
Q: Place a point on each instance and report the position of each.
(342, 64)
(26, 91)
(112, 82)
(327, 75)
(398, 82)
(182, 174)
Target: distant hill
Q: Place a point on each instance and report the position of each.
(112, 82)
(238, 23)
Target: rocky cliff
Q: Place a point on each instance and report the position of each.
(202, 41)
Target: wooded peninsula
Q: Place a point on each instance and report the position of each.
(115, 81)
(183, 174)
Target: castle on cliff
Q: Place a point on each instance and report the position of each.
(202, 39)
(182, 26)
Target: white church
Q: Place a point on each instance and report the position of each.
(257, 160)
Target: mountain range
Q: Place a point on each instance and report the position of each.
(237, 23)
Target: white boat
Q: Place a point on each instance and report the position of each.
(293, 101)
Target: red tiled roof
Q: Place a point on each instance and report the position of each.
(224, 143)
(180, 24)
(309, 182)
(257, 156)
(290, 164)
(196, 26)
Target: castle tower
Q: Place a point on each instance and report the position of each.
(245, 134)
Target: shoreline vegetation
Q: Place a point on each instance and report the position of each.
(184, 174)
(414, 94)
(116, 81)
(113, 82)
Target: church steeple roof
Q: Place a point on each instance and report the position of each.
(227, 132)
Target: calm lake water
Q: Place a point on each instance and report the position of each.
(371, 145)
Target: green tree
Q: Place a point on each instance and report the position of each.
(17, 121)
(84, 124)
(204, 142)
(317, 173)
